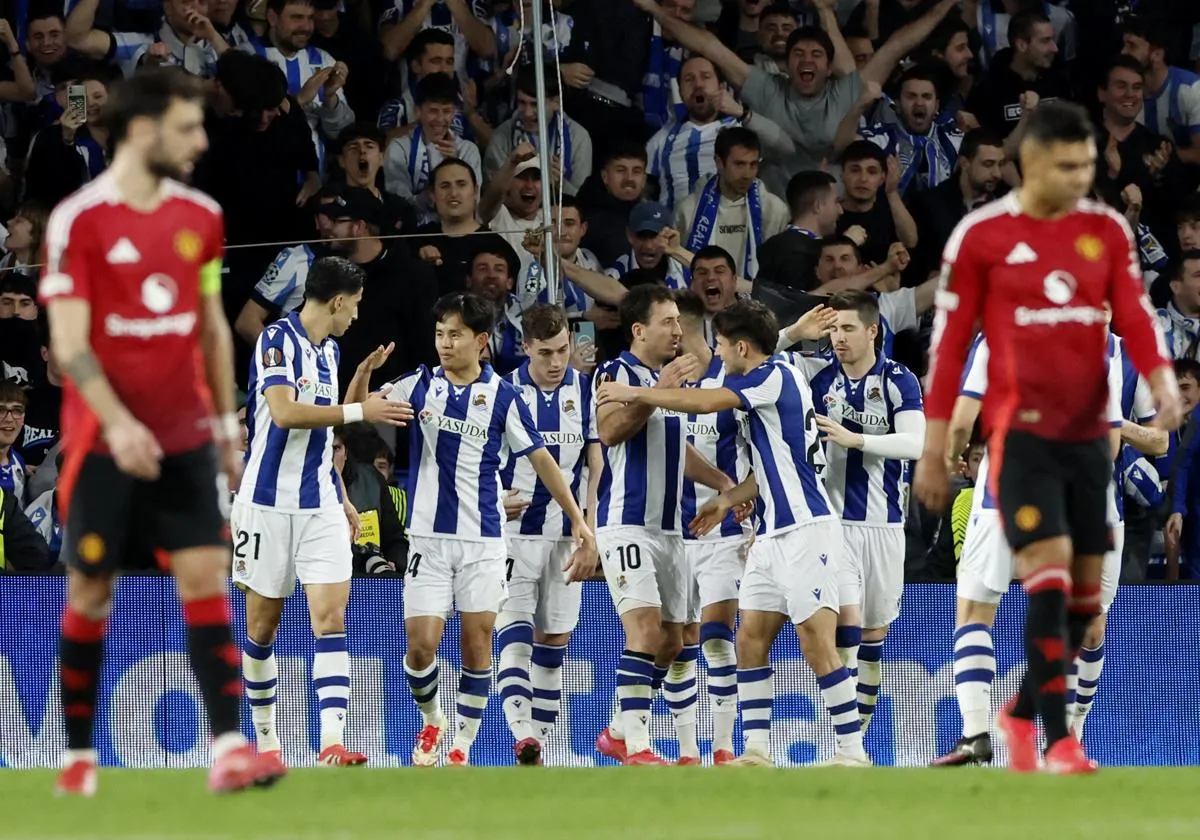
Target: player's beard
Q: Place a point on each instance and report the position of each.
(162, 168)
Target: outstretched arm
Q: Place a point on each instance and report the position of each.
(697, 40)
(903, 42)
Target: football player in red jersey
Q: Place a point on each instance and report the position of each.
(132, 287)
(1036, 269)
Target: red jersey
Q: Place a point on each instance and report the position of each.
(140, 272)
(1038, 287)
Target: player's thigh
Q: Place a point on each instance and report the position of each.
(429, 578)
(717, 567)
(850, 567)
(100, 515)
(675, 582)
(810, 555)
(627, 555)
(479, 577)
(524, 567)
(263, 560)
(184, 503)
(762, 590)
(883, 575)
(1032, 490)
(1089, 470)
(321, 544)
(1110, 571)
(558, 601)
(985, 568)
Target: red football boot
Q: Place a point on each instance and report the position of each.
(1020, 736)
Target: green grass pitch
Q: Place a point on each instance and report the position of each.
(648, 803)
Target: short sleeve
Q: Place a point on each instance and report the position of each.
(1115, 418)
(275, 356)
(214, 244)
(900, 309)
(519, 431)
(590, 435)
(975, 376)
(1143, 402)
(614, 371)
(757, 388)
(402, 388)
(128, 49)
(906, 390)
(279, 281)
(70, 256)
(1189, 106)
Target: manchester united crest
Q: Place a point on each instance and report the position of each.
(1089, 247)
(188, 245)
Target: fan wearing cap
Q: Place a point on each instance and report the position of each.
(360, 156)
(490, 275)
(511, 203)
(647, 250)
(409, 160)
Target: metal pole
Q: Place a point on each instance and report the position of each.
(545, 155)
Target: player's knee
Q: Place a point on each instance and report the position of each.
(1093, 637)
(874, 634)
(751, 644)
(327, 618)
(199, 573)
(552, 639)
(975, 612)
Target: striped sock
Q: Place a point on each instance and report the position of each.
(974, 670)
(1090, 663)
(848, 640)
(656, 680)
(215, 663)
(261, 676)
(331, 679)
(472, 700)
(756, 695)
(679, 690)
(869, 656)
(635, 675)
(515, 638)
(716, 640)
(1044, 687)
(838, 693)
(423, 684)
(80, 650)
(547, 687)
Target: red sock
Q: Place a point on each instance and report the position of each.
(80, 651)
(215, 660)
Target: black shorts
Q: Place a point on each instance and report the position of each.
(115, 521)
(1049, 488)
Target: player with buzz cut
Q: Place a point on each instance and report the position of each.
(291, 517)
(646, 457)
(470, 422)
(715, 559)
(870, 414)
(544, 573)
(792, 568)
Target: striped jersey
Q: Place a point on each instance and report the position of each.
(198, 58)
(680, 155)
(677, 277)
(866, 488)
(974, 385)
(290, 470)
(1174, 112)
(574, 299)
(281, 288)
(439, 17)
(784, 448)
(723, 439)
(642, 478)
(563, 417)
(1129, 398)
(462, 436)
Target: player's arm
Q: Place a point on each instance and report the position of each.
(811, 326)
(360, 385)
(702, 471)
(905, 443)
(595, 465)
(714, 512)
(685, 400)
(287, 413)
(70, 326)
(616, 423)
(962, 426)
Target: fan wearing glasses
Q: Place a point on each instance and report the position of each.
(12, 422)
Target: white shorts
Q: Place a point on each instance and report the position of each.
(872, 572)
(716, 567)
(271, 548)
(1110, 572)
(987, 565)
(536, 585)
(794, 573)
(646, 568)
(445, 573)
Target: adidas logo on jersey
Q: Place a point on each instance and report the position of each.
(1020, 255)
(123, 253)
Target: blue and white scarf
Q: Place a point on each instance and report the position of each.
(705, 223)
(418, 161)
(935, 148)
(559, 138)
(505, 342)
(661, 72)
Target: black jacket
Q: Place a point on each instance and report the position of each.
(24, 550)
(996, 100)
(55, 170)
(607, 218)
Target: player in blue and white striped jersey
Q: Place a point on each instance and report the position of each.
(645, 457)
(471, 422)
(280, 291)
(870, 413)
(542, 607)
(289, 518)
(791, 570)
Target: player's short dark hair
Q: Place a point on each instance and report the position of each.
(476, 313)
(329, 277)
(1020, 27)
(11, 392)
(436, 88)
(840, 240)
(452, 161)
(1059, 122)
(697, 57)
(426, 38)
(939, 40)
(806, 187)
(976, 138)
(1153, 30)
(1120, 62)
(750, 321)
(148, 93)
(864, 303)
(624, 149)
(735, 136)
(861, 150)
(691, 305)
(527, 83)
(715, 252)
(542, 322)
(813, 34)
(637, 306)
(1187, 367)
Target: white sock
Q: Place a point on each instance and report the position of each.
(1090, 664)
(756, 696)
(514, 636)
(546, 675)
(635, 673)
(679, 690)
(331, 679)
(227, 742)
(869, 667)
(716, 640)
(974, 669)
(473, 689)
(839, 693)
(424, 687)
(260, 675)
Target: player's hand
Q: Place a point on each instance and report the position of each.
(378, 409)
(134, 449)
(858, 233)
(156, 54)
(351, 519)
(430, 254)
(514, 505)
(577, 74)
(375, 359)
(743, 511)
(837, 433)
(813, 324)
(616, 392)
(679, 370)
(582, 564)
(231, 465)
(710, 516)
(1164, 388)
(932, 482)
(891, 183)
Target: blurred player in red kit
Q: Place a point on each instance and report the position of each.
(133, 291)
(1035, 270)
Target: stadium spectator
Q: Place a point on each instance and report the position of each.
(1172, 94)
(493, 266)
(186, 39)
(381, 549)
(45, 46)
(788, 260)
(359, 151)
(866, 172)
(13, 403)
(610, 195)
(22, 548)
(1180, 318)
